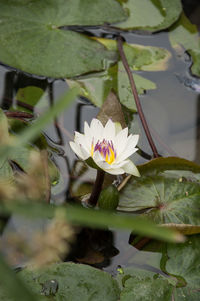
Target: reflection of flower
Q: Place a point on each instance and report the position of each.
(108, 147)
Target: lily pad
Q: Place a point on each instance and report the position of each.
(140, 57)
(183, 261)
(31, 37)
(29, 95)
(185, 34)
(145, 289)
(124, 88)
(151, 15)
(169, 190)
(181, 280)
(72, 281)
(97, 88)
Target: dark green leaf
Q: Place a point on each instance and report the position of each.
(97, 89)
(169, 188)
(139, 57)
(31, 38)
(151, 15)
(184, 261)
(70, 282)
(146, 289)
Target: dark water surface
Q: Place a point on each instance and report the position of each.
(173, 114)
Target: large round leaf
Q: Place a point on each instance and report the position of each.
(182, 281)
(71, 282)
(31, 38)
(168, 188)
(151, 15)
(183, 260)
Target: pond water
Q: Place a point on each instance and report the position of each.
(173, 114)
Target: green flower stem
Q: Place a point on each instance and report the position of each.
(137, 100)
(96, 188)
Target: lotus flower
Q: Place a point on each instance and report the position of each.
(108, 147)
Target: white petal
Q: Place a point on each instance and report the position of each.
(108, 168)
(84, 141)
(96, 129)
(97, 157)
(76, 148)
(125, 154)
(120, 164)
(130, 168)
(133, 140)
(87, 130)
(129, 148)
(109, 130)
(120, 141)
(115, 171)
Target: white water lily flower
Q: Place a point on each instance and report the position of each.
(108, 148)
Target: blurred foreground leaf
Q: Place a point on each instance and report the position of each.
(12, 286)
(94, 218)
(33, 131)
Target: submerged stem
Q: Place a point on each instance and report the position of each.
(96, 188)
(135, 94)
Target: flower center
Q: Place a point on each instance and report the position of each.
(106, 150)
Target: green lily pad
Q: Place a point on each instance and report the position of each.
(124, 88)
(29, 95)
(183, 261)
(70, 281)
(140, 57)
(146, 289)
(169, 190)
(31, 38)
(97, 88)
(184, 33)
(181, 280)
(151, 15)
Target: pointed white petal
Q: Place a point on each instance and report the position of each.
(87, 130)
(84, 141)
(76, 148)
(120, 141)
(125, 154)
(131, 169)
(116, 171)
(132, 140)
(97, 157)
(85, 153)
(118, 165)
(96, 129)
(109, 130)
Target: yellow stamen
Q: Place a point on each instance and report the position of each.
(112, 156)
(92, 150)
